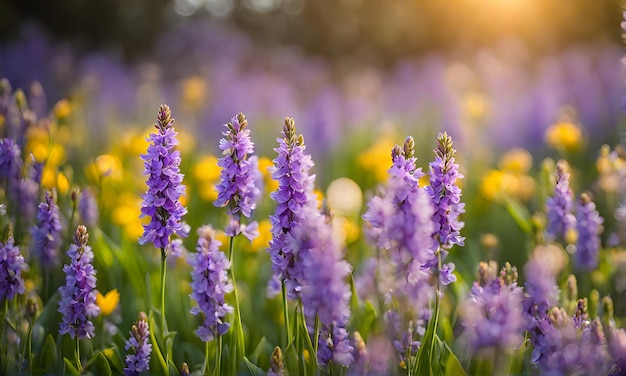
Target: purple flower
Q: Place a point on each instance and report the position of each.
(617, 349)
(588, 223)
(295, 192)
(446, 197)
(138, 360)
(161, 202)
(559, 206)
(47, 232)
(565, 349)
(11, 266)
(78, 296)
(492, 315)
(10, 159)
(88, 208)
(210, 284)
(334, 345)
(237, 187)
(321, 269)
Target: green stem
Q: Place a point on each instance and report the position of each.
(239, 327)
(316, 336)
(286, 314)
(205, 366)
(2, 342)
(163, 322)
(218, 356)
(78, 364)
(27, 344)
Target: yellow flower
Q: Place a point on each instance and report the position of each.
(424, 180)
(475, 105)
(186, 142)
(62, 109)
(2, 119)
(564, 135)
(194, 91)
(516, 160)
(377, 159)
(108, 302)
(63, 184)
(206, 169)
(207, 192)
(271, 185)
(105, 165)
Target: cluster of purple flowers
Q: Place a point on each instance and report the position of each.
(492, 316)
(47, 232)
(559, 206)
(210, 284)
(294, 193)
(78, 296)
(88, 207)
(325, 292)
(446, 197)
(588, 224)
(11, 266)
(138, 360)
(161, 202)
(237, 188)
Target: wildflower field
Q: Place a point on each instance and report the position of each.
(437, 218)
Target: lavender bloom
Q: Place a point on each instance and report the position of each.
(334, 345)
(47, 232)
(239, 173)
(322, 273)
(139, 342)
(161, 202)
(11, 266)
(559, 206)
(493, 315)
(295, 191)
(588, 223)
(446, 197)
(564, 349)
(210, 284)
(78, 296)
(88, 208)
(10, 159)
(617, 349)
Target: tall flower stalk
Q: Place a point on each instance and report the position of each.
(209, 286)
(78, 296)
(559, 207)
(161, 202)
(294, 194)
(237, 191)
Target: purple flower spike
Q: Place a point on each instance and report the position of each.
(10, 159)
(445, 194)
(78, 296)
(237, 187)
(295, 192)
(559, 206)
(588, 223)
(210, 284)
(11, 266)
(47, 232)
(88, 207)
(161, 202)
(138, 360)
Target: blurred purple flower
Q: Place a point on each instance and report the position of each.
(161, 202)
(492, 315)
(139, 343)
(10, 159)
(210, 284)
(617, 349)
(237, 187)
(78, 296)
(295, 192)
(11, 266)
(88, 208)
(47, 233)
(588, 223)
(559, 206)
(334, 345)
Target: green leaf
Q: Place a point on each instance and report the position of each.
(102, 365)
(48, 356)
(156, 348)
(261, 348)
(115, 358)
(308, 345)
(69, 367)
(48, 315)
(453, 366)
(252, 368)
(520, 214)
(354, 298)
